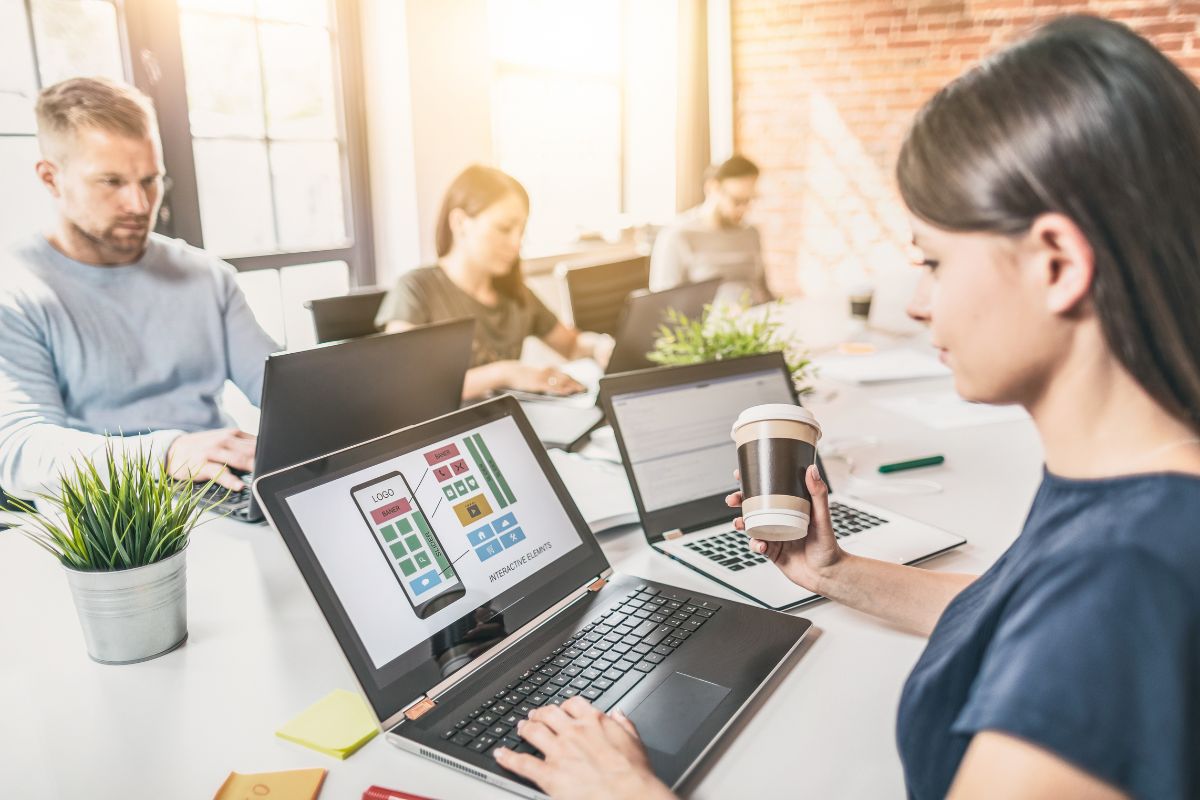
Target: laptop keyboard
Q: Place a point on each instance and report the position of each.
(601, 662)
(731, 549)
(218, 498)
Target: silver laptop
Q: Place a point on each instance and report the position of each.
(673, 428)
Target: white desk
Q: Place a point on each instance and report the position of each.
(259, 651)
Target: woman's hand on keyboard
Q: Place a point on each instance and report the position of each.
(804, 561)
(209, 455)
(588, 755)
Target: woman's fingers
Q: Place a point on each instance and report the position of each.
(822, 523)
(523, 764)
(734, 500)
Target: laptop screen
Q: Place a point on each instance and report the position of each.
(428, 546)
(677, 437)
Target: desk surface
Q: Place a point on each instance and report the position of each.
(259, 652)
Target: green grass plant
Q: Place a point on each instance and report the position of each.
(127, 512)
(722, 332)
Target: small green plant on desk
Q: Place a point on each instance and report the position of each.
(722, 332)
(121, 531)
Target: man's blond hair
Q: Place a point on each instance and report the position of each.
(76, 104)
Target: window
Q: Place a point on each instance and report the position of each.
(556, 94)
(42, 42)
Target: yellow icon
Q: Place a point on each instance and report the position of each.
(472, 510)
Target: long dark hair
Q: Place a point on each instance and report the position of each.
(476, 188)
(1087, 119)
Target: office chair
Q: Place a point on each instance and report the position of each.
(346, 316)
(594, 291)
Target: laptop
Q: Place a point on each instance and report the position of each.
(465, 590)
(563, 421)
(672, 426)
(334, 395)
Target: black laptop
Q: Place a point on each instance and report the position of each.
(466, 590)
(333, 395)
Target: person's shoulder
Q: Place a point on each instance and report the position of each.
(22, 265)
(177, 255)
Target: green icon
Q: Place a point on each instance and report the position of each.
(389, 533)
(460, 487)
(472, 484)
(404, 526)
(422, 559)
(449, 492)
(413, 543)
(407, 567)
(398, 550)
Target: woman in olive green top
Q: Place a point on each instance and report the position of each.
(478, 274)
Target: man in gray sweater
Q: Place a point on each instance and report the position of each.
(110, 333)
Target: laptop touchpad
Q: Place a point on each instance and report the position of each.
(669, 715)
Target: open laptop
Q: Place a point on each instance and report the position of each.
(563, 421)
(333, 395)
(465, 590)
(673, 425)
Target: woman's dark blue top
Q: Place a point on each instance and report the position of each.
(1083, 639)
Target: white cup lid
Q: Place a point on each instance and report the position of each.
(780, 411)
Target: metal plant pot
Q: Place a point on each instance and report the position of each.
(135, 614)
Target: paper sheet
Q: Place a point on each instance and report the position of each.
(292, 784)
(946, 410)
(887, 365)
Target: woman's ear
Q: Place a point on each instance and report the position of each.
(1064, 261)
(457, 219)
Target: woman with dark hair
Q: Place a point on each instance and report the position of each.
(1053, 198)
(478, 274)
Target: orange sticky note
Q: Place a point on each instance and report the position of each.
(292, 784)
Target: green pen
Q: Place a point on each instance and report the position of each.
(928, 461)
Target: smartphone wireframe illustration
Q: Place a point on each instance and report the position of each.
(408, 543)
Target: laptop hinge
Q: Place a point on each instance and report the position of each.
(675, 534)
(418, 708)
(598, 585)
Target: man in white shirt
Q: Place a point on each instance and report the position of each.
(713, 240)
(114, 335)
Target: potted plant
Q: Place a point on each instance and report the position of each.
(121, 532)
(722, 332)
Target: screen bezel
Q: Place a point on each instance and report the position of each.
(397, 684)
(701, 511)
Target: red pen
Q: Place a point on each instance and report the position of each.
(383, 793)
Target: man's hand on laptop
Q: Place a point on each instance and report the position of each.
(210, 455)
(589, 755)
(805, 561)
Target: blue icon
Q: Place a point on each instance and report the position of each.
(504, 523)
(425, 582)
(511, 537)
(489, 549)
(479, 535)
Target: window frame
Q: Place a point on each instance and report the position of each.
(154, 63)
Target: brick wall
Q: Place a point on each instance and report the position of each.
(824, 90)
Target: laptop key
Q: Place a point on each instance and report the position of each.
(450, 734)
(461, 739)
(499, 731)
(474, 729)
(664, 649)
(538, 699)
(482, 743)
(510, 742)
(487, 719)
(660, 633)
(592, 692)
(645, 666)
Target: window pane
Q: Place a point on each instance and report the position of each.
(541, 125)
(309, 12)
(18, 86)
(76, 37)
(299, 68)
(220, 56)
(245, 7)
(261, 287)
(235, 197)
(308, 194)
(28, 207)
(306, 282)
(575, 35)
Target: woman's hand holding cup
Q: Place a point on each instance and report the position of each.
(806, 560)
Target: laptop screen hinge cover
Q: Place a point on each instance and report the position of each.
(675, 534)
(597, 585)
(419, 708)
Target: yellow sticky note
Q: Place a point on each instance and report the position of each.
(294, 784)
(337, 724)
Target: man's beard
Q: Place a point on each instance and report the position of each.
(110, 242)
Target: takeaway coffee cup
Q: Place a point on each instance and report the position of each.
(776, 443)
